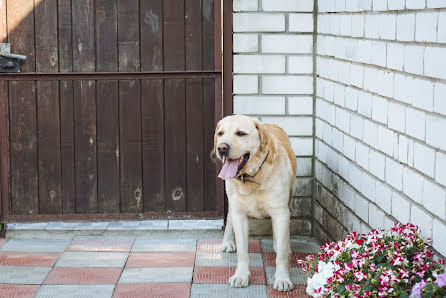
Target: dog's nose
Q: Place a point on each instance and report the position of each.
(223, 148)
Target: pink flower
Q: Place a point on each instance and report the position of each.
(300, 263)
(441, 261)
(404, 273)
(417, 288)
(441, 280)
(360, 275)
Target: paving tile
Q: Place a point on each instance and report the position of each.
(3, 241)
(38, 259)
(220, 290)
(297, 292)
(22, 291)
(23, 275)
(19, 245)
(196, 224)
(297, 245)
(214, 245)
(76, 226)
(92, 259)
(296, 275)
(163, 274)
(160, 259)
(159, 290)
(27, 226)
(269, 258)
(177, 245)
(211, 259)
(100, 245)
(221, 275)
(138, 225)
(83, 276)
(77, 291)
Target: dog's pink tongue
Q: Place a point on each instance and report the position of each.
(229, 169)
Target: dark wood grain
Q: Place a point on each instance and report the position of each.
(83, 35)
(23, 143)
(3, 30)
(130, 146)
(108, 146)
(128, 35)
(208, 134)
(208, 34)
(46, 36)
(153, 144)
(106, 35)
(85, 146)
(151, 18)
(193, 43)
(65, 44)
(175, 144)
(174, 52)
(194, 137)
(4, 187)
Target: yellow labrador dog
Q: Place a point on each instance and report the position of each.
(259, 169)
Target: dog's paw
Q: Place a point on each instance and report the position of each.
(283, 284)
(228, 246)
(239, 280)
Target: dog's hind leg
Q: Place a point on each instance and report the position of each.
(228, 244)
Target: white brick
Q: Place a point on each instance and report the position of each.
(438, 238)
(400, 208)
(349, 147)
(343, 167)
(371, 28)
(302, 146)
(434, 62)
(410, 152)
(364, 51)
(405, 27)
(340, 5)
(338, 140)
(395, 56)
(415, 123)
(440, 168)
(345, 25)
(423, 220)
(300, 22)
(356, 75)
(342, 120)
(387, 26)
(424, 159)
(253, 105)
(287, 84)
(365, 104)
(362, 155)
(423, 94)
(413, 59)
(362, 207)
(377, 164)
(259, 64)
(397, 116)
(379, 53)
(245, 5)
(379, 109)
(295, 126)
(334, 24)
(325, 111)
(403, 88)
(385, 140)
(304, 167)
(300, 105)
(296, 44)
(370, 134)
(383, 196)
(415, 4)
(356, 126)
(246, 43)
(325, 6)
(287, 5)
(365, 5)
(440, 98)
(351, 98)
(442, 26)
(396, 4)
(435, 131)
(258, 22)
(376, 217)
(434, 199)
(394, 173)
(426, 26)
(246, 84)
(436, 4)
(339, 95)
(368, 186)
(358, 25)
(385, 81)
(300, 64)
(380, 5)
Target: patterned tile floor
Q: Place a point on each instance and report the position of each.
(139, 268)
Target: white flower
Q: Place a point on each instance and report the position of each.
(319, 280)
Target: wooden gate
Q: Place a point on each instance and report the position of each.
(114, 111)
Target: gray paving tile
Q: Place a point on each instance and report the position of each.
(296, 275)
(165, 274)
(297, 245)
(35, 245)
(76, 226)
(78, 291)
(200, 224)
(23, 275)
(138, 225)
(91, 226)
(27, 226)
(224, 290)
(225, 259)
(177, 245)
(92, 259)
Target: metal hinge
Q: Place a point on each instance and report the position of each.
(9, 62)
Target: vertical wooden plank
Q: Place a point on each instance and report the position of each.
(65, 45)
(20, 23)
(208, 133)
(4, 197)
(175, 144)
(151, 16)
(128, 35)
(67, 146)
(85, 146)
(130, 146)
(23, 138)
(208, 35)
(194, 137)
(106, 35)
(194, 49)
(83, 35)
(108, 146)
(46, 36)
(3, 30)
(218, 36)
(174, 49)
(153, 144)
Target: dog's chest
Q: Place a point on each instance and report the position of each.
(253, 209)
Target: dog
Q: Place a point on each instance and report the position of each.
(259, 169)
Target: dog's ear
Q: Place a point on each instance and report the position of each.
(263, 135)
(214, 151)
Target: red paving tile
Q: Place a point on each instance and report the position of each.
(83, 276)
(161, 259)
(28, 259)
(100, 245)
(269, 259)
(221, 275)
(170, 290)
(298, 291)
(22, 291)
(3, 241)
(214, 245)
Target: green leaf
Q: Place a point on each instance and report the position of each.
(404, 294)
(340, 289)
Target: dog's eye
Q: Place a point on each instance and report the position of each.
(220, 133)
(240, 133)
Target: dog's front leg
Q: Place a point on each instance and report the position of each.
(240, 224)
(228, 244)
(281, 226)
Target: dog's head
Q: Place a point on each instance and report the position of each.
(241, 143)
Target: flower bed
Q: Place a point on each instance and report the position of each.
(396, 262)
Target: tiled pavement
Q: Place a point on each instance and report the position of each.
(139, 268)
